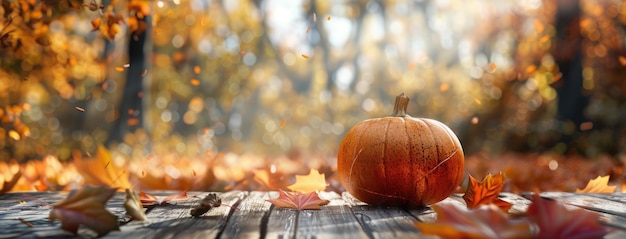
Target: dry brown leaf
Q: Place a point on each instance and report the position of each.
(86, 206)
(210, 201)
(300, 201)
(314, 181)
(485, 192)
(486, 221)
(598, 185)
(151, 200)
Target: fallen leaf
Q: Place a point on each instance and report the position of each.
(133, 206)
(151, 200)
(300, 201)
(314, 181)
(598, 185)
(8, 185)
(554, 220)
(486, 192)
(86, 206)
(210, 201)
(486, 221)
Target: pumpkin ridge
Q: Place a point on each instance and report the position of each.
(384, 156)
(411, 156)
(356, 155)
(434, 138)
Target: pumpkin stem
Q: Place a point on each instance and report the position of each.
(399, 109)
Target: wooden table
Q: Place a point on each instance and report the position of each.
(25, 215)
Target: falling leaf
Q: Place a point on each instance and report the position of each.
(300, 201)
(586, 126)
(622, 60)
(486, 221)
(443, 87)
(492, 67)
(598, 185)
(101, 171)
(80, 109)
(283, 122)
(474, 120)
(96, 24)
(195, 82)
(14, 135)
(308, 28)
(554, 220)
(151, 200)
(305, 56)
(485, 192)
(314, 17)
(196, 69)
(86, 206)
(144, 72)
(93, 6)
(8, 185)
(119, 68)
(133, 206)
(210, 201)
(328, 18)
(314, 181)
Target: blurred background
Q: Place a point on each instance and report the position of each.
(277, 83)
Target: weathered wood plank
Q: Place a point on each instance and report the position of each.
(248, 220)
(175, 221)
(334, 221)
(378, 222)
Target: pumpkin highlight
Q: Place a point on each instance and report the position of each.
(400, 160)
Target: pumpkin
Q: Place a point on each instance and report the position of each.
(400, 160)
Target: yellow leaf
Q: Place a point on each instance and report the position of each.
(101, 170)
(133, 206)
(314, 181)
(598, 185)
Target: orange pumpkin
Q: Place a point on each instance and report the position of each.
(400, 160)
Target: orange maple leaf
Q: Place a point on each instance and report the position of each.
(151, 200)
(314, 181)
(86, 206)
(556, 221)
(486, 221)
(486, 192)
(598, 185)
(300, 201)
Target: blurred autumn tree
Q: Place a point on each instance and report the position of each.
(276, 77)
